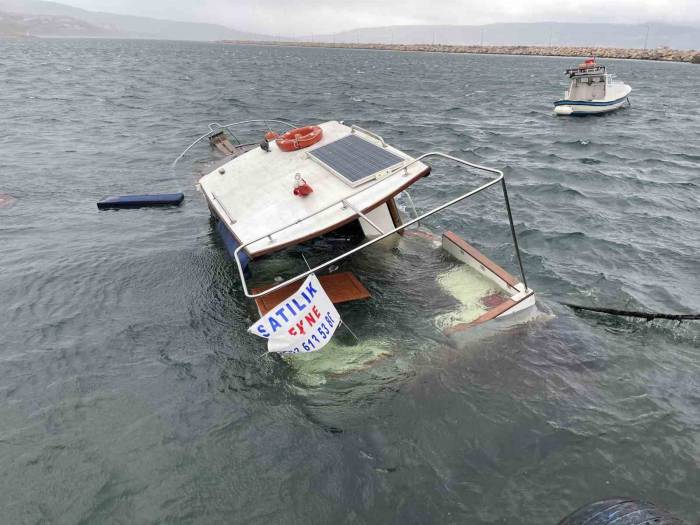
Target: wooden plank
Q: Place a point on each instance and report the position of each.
(223, 148)
(491, 314)
(220, 141)
(481, 258)
(340, 287)
(395, 214)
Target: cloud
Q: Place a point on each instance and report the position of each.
(304, 17)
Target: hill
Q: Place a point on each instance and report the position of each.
(98, 24)
(25, 25)
(56, 19)
(528, 34)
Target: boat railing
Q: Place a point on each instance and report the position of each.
(355, 128)
(215, 127)
(383, 234)
(585, 70)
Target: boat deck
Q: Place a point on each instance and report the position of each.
(252, 194)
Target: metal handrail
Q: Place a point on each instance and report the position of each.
(355, 127)
(499, 178)
(215, 126)
(360, 214)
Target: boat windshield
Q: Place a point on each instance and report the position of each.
(590, 87)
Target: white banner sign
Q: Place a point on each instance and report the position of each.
(304, 322)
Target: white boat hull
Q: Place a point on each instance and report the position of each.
(593, 107)
(586, 109)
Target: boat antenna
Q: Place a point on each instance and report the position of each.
(646, 38)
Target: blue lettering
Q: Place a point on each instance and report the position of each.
(280, 312)
(291, 310)
(274, 325)
(300, 307)
(312, 291)
(306, 297)
(262, 331)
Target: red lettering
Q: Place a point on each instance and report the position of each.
(292, 331)
(316, 312)
(300, 326)
(310, 319)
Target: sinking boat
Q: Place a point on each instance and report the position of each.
(592, 91)
(332, 189)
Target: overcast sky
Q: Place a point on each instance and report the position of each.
(302, 17)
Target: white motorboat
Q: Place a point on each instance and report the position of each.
(270, 196)
(592, 91)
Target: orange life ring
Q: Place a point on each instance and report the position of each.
(299, 138)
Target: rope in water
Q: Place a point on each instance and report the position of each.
(627, 313)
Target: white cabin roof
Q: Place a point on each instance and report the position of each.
(254, 195)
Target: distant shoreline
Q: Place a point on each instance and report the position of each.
(660, 54)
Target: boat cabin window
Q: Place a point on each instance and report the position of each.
(588, 80)
(588, 88)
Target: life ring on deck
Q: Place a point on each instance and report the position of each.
(299, 138)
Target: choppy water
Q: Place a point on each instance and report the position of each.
(130, 392)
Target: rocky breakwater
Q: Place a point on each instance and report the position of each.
(661, 53)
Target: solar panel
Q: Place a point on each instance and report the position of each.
(354, 159)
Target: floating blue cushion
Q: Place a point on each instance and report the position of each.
(139, 201)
